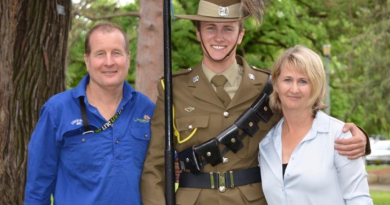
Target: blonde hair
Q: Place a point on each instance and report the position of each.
(307, 62)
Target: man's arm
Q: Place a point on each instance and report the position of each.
(356, 146)
(42, 161)
(153, 175)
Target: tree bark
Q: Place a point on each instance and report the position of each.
(34, 37)
(150, 52)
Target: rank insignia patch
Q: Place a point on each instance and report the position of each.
(189, 109)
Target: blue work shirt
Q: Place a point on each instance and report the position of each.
(93, 169)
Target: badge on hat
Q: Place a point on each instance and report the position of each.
(223, 11)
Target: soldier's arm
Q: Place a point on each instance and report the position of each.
(153, 180)
(356, 146)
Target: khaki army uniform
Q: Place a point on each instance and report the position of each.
(196, 105)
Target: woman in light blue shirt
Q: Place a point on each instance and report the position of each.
(298, 162)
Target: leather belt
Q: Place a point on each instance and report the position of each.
(221, 181)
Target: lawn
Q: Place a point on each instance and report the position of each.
(375, 167)
(380, 197)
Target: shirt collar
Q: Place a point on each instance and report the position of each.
(80, 90)
(320, 125)
(321, 122)
(230, 73)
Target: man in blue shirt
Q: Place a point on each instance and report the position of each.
(89, 145)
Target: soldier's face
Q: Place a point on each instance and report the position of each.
(108, 63)
(219, 38)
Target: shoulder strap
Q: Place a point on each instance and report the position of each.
(84, 115)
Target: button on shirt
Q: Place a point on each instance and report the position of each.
(316, 173)
(93, 169)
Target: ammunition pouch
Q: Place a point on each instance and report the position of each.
(188, 159)
(231, 139)
(209, 151)
(196, 157)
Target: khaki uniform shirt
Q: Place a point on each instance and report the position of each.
(197, 106)
(233, 75)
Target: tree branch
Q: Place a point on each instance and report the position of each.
(110, 16)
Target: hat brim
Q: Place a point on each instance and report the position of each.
(209, 19)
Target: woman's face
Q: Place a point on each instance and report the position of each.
(294, 89)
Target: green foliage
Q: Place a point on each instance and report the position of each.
(358, 32)
(82, 23)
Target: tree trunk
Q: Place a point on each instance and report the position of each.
(150, 52)
(34, 37)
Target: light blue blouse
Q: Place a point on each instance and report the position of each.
(316, 173)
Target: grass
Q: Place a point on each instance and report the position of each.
(380, 197)
(375, 167)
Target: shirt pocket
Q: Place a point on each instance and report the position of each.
(186, 127)
(139, 141)
(83, 153)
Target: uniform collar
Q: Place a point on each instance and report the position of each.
(230, 73)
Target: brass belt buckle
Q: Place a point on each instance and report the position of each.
(221, 183)
(221, 180)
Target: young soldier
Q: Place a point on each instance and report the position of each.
(204, 108)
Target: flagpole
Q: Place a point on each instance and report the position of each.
(169, 147)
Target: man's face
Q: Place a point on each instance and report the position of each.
(219, 38)
(108, 63)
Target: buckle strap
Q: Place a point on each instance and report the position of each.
(217, 180)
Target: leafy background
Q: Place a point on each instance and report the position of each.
(358, 32)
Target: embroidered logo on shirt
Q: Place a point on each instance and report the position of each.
(77, 122)
(145, 120)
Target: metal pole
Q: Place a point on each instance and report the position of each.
(326, 50)
(327, 83)
(169, 148)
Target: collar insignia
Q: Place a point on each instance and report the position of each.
(251, 76)
(223, 11)
(189, 109)
(195, 79)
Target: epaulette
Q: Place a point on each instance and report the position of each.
(264, 70)
(182, 72)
